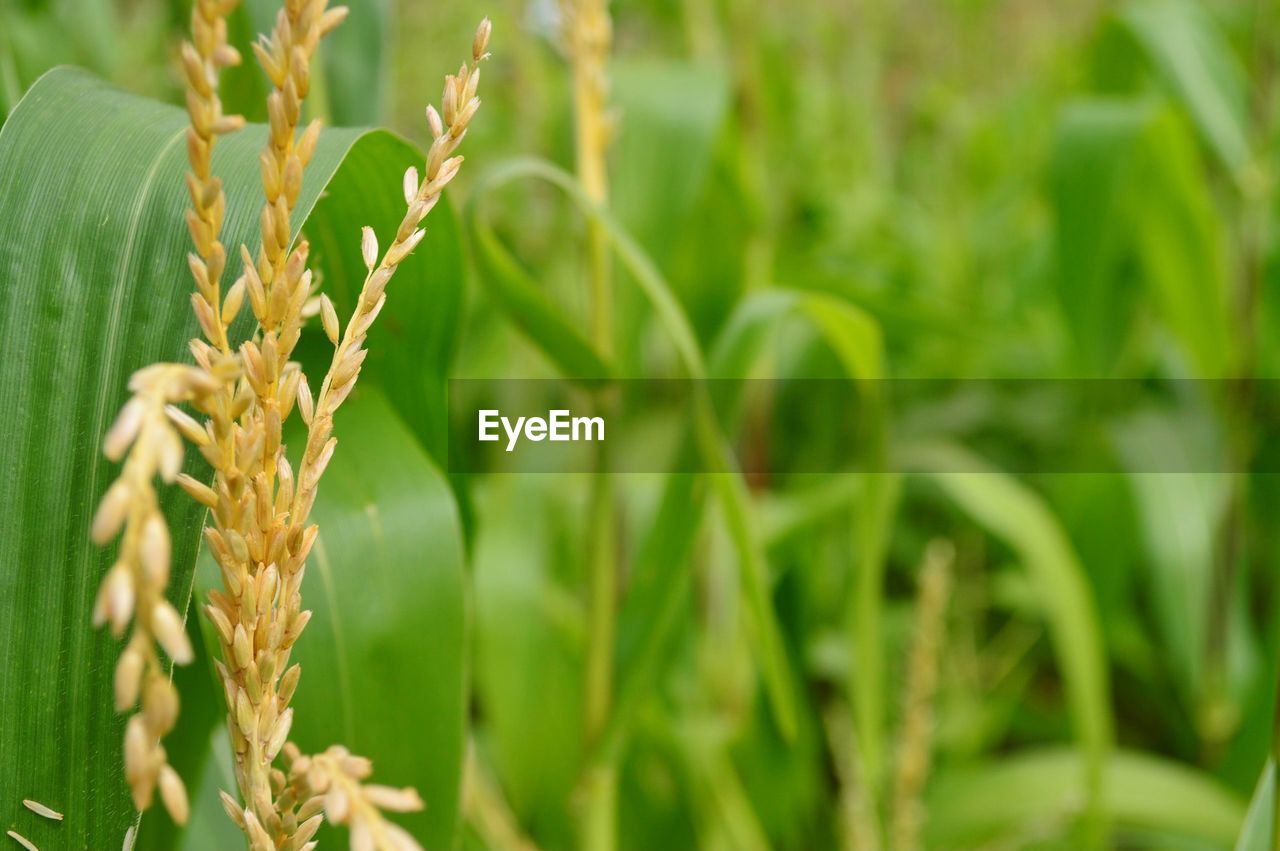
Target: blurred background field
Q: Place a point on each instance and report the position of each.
(865, 189)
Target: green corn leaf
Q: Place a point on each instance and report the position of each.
(1130, 198)
(529, 647)
(382, 659)
(652, 191)
(660, 168)
(1017, 796)
(1096, 142)
(856, 340)
(93, 285)
(518, 295)
(1193, 57)
(1260, 822)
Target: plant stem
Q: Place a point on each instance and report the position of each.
(589, 36)
(601, 614)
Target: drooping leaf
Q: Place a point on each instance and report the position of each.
(660, 165)
(661, 580)
(855, 339)
(1012, 798)
(1013, 513)
(518, 295)
(1130, 200)
(1091, 159)
(1192, 56)
(1259, 822)
(93, 285)
(652, 190)
(726, 480)
(1182, 513)
(850, 332)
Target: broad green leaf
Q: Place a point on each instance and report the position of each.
(1192, 56)
(1260, 822)
(1130, 200)
(659, 169)
(664, 146)
(93, 282)
(1020, 795)
(1182, 516)
(529, 650)
(1181, 242)
(1020, 518)
(1092, 155)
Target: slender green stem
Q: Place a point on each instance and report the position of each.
(601, 608)
(589, 36)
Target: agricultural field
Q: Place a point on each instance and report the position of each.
(720, 425)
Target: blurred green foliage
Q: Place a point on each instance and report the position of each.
(971, 189)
